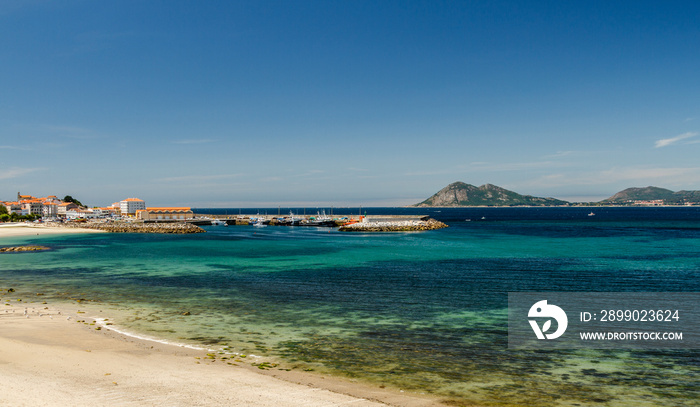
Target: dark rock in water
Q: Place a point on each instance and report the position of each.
(15, 249)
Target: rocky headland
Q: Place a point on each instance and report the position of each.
(461, 194)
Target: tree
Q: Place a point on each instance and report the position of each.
(69, 198)
(3, 209)
(4, 217)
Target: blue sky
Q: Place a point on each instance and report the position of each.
(267, 103)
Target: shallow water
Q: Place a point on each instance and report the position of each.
(424, 311)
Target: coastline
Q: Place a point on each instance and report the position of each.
(62, 356)
(26, 229)
(573, 205)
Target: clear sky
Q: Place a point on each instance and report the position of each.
(373, 103)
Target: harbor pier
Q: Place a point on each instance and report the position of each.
(367, 223)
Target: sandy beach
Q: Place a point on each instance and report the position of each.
(37, 229)
(53, 357)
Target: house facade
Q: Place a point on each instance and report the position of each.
(49, 209)
(32, 206)
(63, 208)
(13, 207)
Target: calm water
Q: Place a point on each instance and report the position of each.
(424, 311)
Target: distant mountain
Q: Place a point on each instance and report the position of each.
(630, 195)
(461, 194)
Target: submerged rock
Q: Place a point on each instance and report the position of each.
(23, 249)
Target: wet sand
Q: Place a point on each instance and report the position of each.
(56, 357)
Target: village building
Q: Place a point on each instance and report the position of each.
(13, 207)
(32, 206)
(52, 207)
(129, 206)
(21, 197)
(63, 208)
(78, 213)
(49, 209)
(155, 214)
(107, 211)
(52, 199)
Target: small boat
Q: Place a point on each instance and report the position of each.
(319, 220)
(217, 222)
(291, 220)
(591, 214)
(260, 222)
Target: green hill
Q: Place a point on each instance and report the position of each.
(668, 197)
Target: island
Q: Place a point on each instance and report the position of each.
(460, 194)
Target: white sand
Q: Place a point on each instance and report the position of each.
(51, 361)
(34, 229)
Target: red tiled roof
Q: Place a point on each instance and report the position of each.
(173, 209)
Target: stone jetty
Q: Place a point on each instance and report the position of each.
(134, 227)
(394, 226)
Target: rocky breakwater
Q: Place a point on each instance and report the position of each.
(394, 226)
(15, 249)
(128, 227)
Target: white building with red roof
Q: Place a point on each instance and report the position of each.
(129, 206)
(63, 208)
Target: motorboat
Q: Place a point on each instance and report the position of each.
(260, 222)
(290, 220)
(321, 219)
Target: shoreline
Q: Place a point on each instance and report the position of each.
(552, 206)
(26, 229)
(65, 355)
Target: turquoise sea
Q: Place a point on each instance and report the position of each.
(420, 311)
